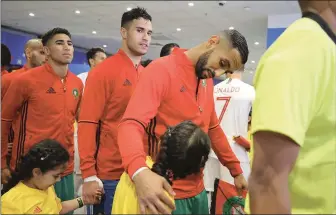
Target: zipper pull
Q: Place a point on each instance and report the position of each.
(64, 87)
(200, 109)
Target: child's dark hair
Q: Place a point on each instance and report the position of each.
(45, 155)
(51, 33)
(135, 13)
(184, 150)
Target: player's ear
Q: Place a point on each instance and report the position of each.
(91, 62)
(123, 32)
(213, 41)
(46, 50)
(28, 53)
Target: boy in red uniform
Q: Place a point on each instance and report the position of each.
(35, 57)
(172, 89)
(108, 88)
(47, 98)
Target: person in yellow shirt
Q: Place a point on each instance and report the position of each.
(183, 151)
(294, 118)
(31, 190)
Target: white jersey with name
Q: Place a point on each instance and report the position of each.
(233, 103)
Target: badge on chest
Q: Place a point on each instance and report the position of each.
(75, 93)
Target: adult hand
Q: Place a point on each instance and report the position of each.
(240, 184)
(5, 175)
(90, 189)
(150, 189)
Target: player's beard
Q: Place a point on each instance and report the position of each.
(34, 62)
(201, 71)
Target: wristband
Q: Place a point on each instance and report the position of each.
(80, 202)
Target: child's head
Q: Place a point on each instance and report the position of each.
(184, 150)
(42, 166)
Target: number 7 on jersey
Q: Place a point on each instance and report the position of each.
(226, 101)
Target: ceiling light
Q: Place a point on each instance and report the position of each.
(104, 46)
(178, 29)
(251, 72)
(129, 8)
(94, 32)
(31, 14)
(252, 61)
(231, 28)
(77, 11)
(247, 8)
(256, 43)
(191, 4)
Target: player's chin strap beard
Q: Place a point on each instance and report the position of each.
(208, 71)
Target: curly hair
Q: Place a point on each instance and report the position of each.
(45, 155)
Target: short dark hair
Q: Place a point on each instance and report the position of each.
(166, 49)
(135, 13)
(5, 55)
(92, 52)
(238, 42)
(51, 33)
(146, 62)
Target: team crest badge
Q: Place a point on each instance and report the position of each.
(204, 84)
(75, 93)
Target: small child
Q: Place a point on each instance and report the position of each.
(31, 190)
(183, 151)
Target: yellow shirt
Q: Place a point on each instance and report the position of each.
(25, 200)
(296, 96)
(125, 198)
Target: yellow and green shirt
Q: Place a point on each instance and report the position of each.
(296, 96)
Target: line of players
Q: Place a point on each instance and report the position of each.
(42, 101)
(121, 99)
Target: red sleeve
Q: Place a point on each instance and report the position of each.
(151, 89)
(17, 94)
(243, 142)
(79, 99)
(222, 148)
(91, 110)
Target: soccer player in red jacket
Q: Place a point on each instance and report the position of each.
(172, 89)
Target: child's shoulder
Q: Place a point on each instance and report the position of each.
(20, 198)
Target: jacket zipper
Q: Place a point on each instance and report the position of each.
(197, 101)
(64, 108)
